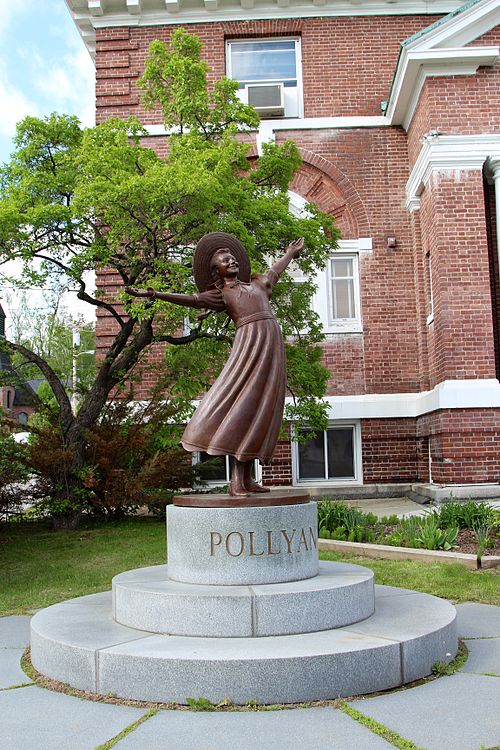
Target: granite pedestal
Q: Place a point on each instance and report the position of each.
(243, 610)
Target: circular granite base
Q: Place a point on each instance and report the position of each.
(147, 599)
(78, 642)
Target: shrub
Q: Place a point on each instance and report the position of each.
(342, 521)
(132, 459)
(14, 476)
(466, 515)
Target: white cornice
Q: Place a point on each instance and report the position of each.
(440, 51)
(90, 15)
(445, 153)
(416, 66)
(268, 128)
(451, 394)
(464, 27)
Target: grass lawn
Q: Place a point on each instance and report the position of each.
(40, 567)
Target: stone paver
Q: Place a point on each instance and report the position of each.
(10, 668)
(478, 620)
(484, 656)
(310, 729)
(31, 717)
(459, 712)
(14, 631)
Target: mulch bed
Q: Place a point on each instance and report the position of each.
(466, 542)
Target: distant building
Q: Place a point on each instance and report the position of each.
(16, 401)
(395, 107)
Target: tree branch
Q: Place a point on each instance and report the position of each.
(129, 356)
(85, 297)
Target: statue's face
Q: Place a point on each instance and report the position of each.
(224, 264)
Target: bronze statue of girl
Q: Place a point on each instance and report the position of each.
(241, 414)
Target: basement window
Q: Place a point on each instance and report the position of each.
(332, 456)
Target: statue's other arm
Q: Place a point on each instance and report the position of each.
(293, 251)
(211, 300)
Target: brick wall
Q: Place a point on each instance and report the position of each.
(359, 176)
(459, 104)
(491, 228)
(389, 450)
(463, 449)
(338, 80)
(460, 340)
(464, 445)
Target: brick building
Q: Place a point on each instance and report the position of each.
(395, 107)
(17, 402)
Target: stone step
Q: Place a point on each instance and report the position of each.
(147, 600)
(79, 643)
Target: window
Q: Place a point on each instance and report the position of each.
(269, 75)
(338, 300)
(22, 418)
(331, 456)
(343, 290)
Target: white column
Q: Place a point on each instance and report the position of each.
(494, 164)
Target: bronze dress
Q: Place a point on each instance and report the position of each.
(241, 413)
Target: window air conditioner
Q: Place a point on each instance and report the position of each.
(266, 99)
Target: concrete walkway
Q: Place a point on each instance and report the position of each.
(389, 506)
(461, 712)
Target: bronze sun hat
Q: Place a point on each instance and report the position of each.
(205, 251)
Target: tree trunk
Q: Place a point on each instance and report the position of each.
(67, 521)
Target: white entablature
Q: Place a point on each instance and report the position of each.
(90, 15)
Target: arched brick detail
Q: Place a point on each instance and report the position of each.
(321, 182)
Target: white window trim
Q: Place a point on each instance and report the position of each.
(322, 297)
(298, 64)
(344, 324)
(357, 480)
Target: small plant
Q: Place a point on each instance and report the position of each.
(200, 704)
(433, 537)
(445, 669)
(466, 515)
(482, 534)
(395, 539)
(411, 527)
(338, 533)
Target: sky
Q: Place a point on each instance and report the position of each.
(44, 68)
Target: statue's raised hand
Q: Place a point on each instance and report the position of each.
(296, 247)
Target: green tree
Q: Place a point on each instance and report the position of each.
(73, 201)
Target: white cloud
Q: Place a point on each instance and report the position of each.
(69, 84)
(14, 105)
(9, 9)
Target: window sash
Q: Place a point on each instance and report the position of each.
(328, 461)
(263, 61)
(343, 288)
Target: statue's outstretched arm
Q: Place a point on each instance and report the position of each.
(186, 300)
(293, 251)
